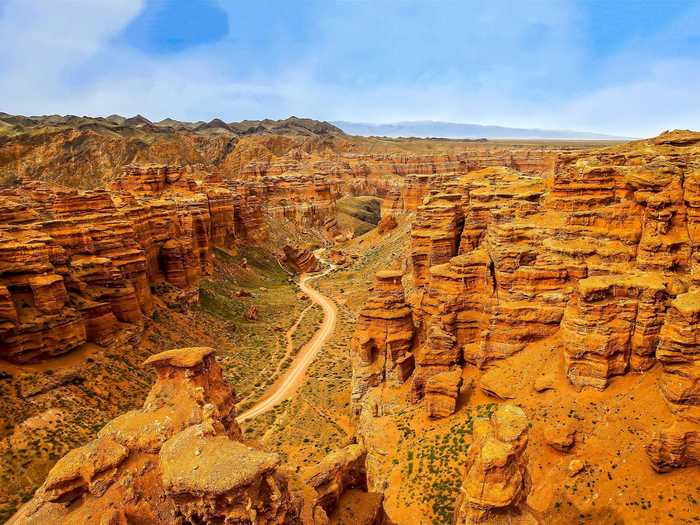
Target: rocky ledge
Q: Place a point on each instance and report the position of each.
(181, 459)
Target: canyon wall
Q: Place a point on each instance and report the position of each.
(598, 256)
(73, 265)
(78, 263)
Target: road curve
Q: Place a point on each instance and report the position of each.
(284, 387)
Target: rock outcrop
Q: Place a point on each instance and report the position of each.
(596, 245)
(182, 459)
(441, 393)
(302, 260)
(381, 346)
(496, 481)
(612, 324)
(459, 298)
(335, 474)
(435, 234)
(386, 224)
(177, 460)
(679, 352)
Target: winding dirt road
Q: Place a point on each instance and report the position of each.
(284, 387)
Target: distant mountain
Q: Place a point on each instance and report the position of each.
(17, 124)
(453, 130)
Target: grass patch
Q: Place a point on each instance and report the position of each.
(360, 214)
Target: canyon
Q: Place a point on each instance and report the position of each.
(276, 322)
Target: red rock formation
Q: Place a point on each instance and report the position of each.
(221, 209)
(335, 474)
(612, 322)
(177, 459)
(72, 263)
(459, 297)
(415, 189)
(678, 351)
(386, 224)
(248, 212)
(609, 215)
(178, 263)
(302, 260)
(435, 234)
(181, 459)
(441, 393)
(675, 447)
(392, 202)
(439, 354)
(381, 346)
(496, 481)
(153, 179)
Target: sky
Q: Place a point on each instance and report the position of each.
(623, 67)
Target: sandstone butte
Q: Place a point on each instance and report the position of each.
(542, 325)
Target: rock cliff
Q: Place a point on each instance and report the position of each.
(594, 252)
(181, 459)
(75, 264)
(590, 266)
(381, 346)
(301, 259)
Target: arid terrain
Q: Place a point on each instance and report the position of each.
(271, 322)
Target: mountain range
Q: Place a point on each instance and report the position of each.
(454, 130)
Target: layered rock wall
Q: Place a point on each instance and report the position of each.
(381, 346)
(74, 264)
(599, 253)
(302, 260)
(603, 242)
(679, 353)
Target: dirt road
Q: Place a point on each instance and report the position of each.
(284, 387)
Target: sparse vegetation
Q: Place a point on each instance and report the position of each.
(433, 464)
(359, 214)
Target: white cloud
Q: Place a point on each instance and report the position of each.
(663, 98)
(42, 39)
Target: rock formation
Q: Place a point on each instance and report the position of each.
(386, 224)
(73, 264)
(584, 259)
(181, 459)
(438, 355)
(458, 298)
(302, 260)
(599, 249)
(679, 445)
(177, 460)
(441, 393)
(381, 346)
(337, 472)
(435, 234)
(612, 323)
(496, 481)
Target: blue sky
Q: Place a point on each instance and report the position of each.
(629, 67)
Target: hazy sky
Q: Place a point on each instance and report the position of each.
(629, 67)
